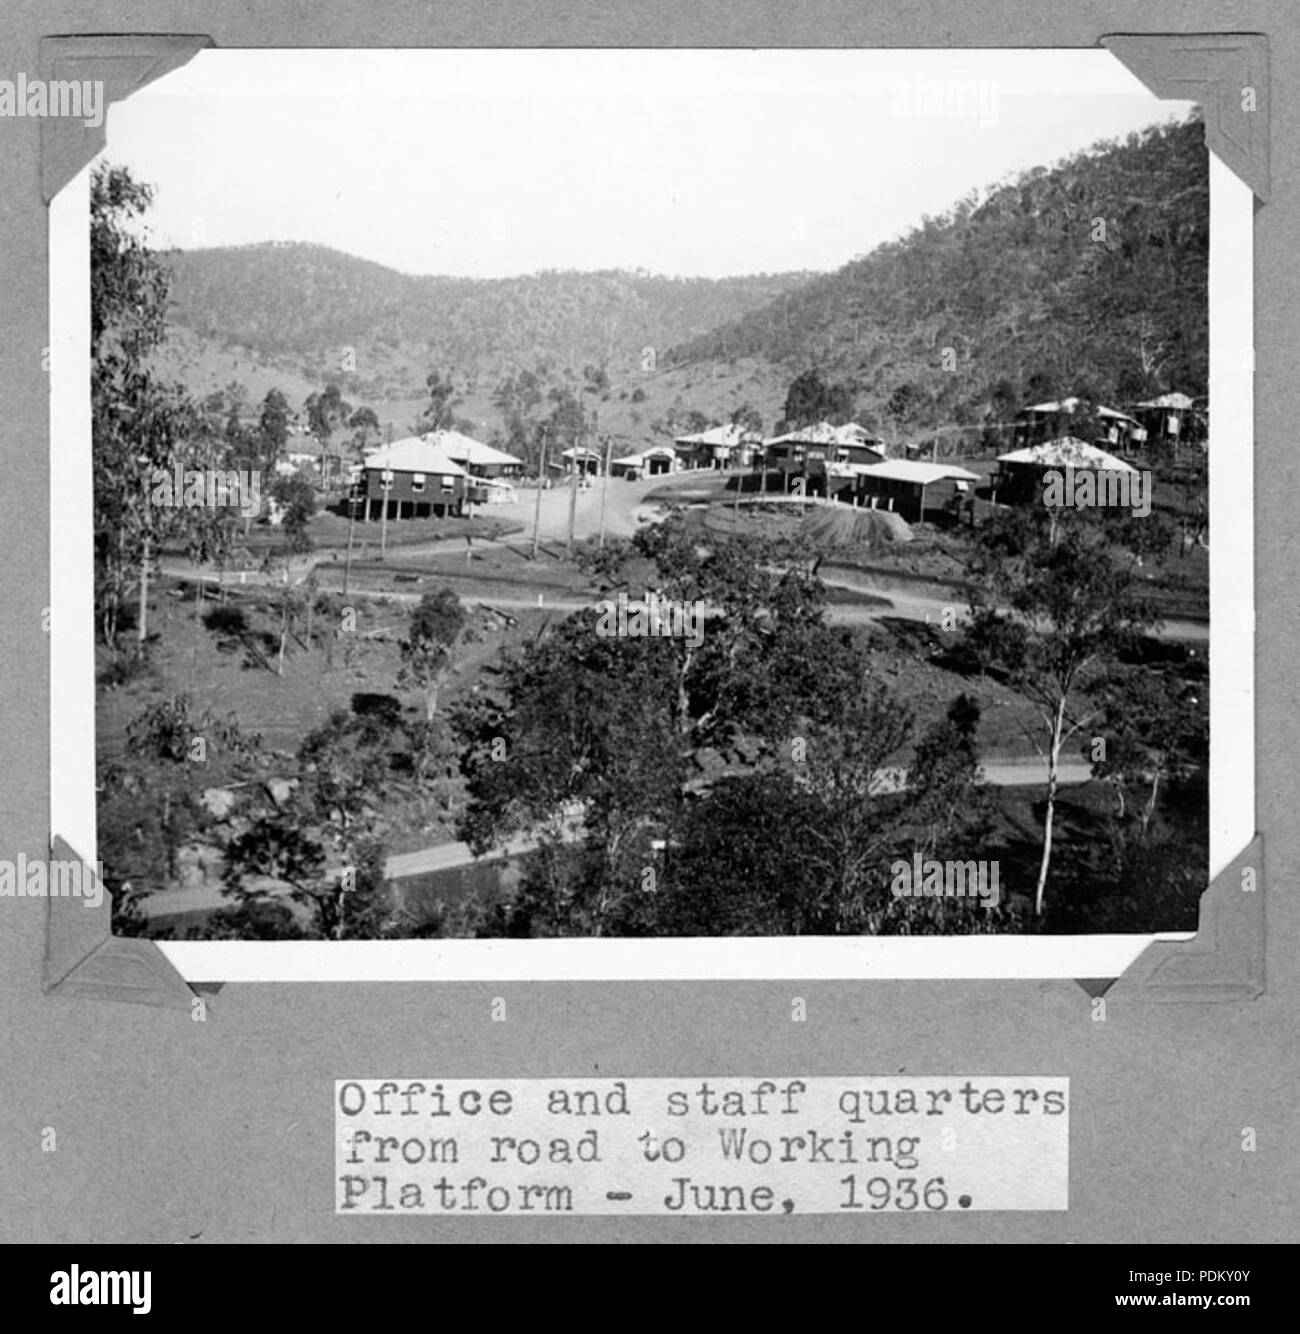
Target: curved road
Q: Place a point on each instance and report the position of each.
(1015, 772)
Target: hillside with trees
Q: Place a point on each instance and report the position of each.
(303, 304)
(1086, 278)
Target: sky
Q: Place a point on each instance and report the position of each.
(493, 163)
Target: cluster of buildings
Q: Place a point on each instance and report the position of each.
(845, 462)
(848, 463)
(442, 472)
(1156, 425)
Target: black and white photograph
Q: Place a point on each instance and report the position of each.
(651, 494)
(644, 625)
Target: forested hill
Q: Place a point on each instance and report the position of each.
(300, 303)
(1089, 278)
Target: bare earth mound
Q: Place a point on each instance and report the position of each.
(832, 527)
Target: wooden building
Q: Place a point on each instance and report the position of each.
(719, 447)
(1076, 417)
(489, 470)
(1019, 478)
(657, 460)
(586, 461)
(912, 489)
(478, 459)
(414, 479)
(826, 456)
(1173, 421)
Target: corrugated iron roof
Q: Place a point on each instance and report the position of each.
(414, 454)
(823, 433)
(1177, 401)
(730, 434)
(1068, 452)
(908, 470)
(636, 460)
(465, 449)
(1071, 405)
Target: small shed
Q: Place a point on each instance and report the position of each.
(911, 488)
(585, 461)
(652, 462)
(1170, 420)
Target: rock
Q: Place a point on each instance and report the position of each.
(281, 789)
(218, 801)
(211, 861)
(749, 749)
(191, 872)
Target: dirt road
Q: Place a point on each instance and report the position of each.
(1015, 772)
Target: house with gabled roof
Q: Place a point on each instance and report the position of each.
(911, 488)
(1041, 422)
(825, 454)
(654, 461)
(412, 479)
(1019, 477)
(1172, 420)
(718, 447)
(478, 459)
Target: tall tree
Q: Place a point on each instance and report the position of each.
(299, 502)
(1054, 607)
(323, 844)
(846, 835)
(273, 428)
(437, 624)
(583, 736)
(1156, 731)
(327, 412)
(364, 425)
(810, 400)
(140, 425)
(440, 412)
(748, 418)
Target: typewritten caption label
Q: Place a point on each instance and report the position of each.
(704, 1146)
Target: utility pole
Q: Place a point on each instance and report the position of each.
(352, 524)
(604, 490)
(541, 477)
(573, 483)
(142, 629)
(573, 491)
(386, 482)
